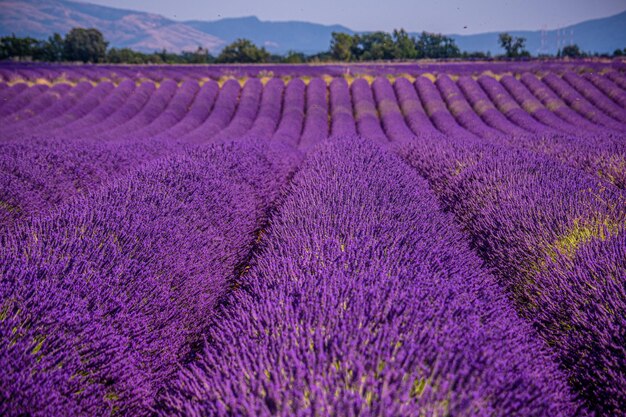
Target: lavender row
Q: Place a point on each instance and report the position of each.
(204, 103)
(247, 110)
(484, 108)
(391, 115)
(601, 155)
(436, 108)
(554, 237)
(31, 103)
(122, 114)
(596, 97)
(531, 117)
(37, 175)
(58, 108)
(41, 173)
(76, 105)
(414, 112)
(617, 78)
(102, 300)
(173, 113)
(557, 105)
(365, 300)
(13, 72)
(316, 123)
(579, 103)
(270, 110)
(532, 105)
(107, 107)
(608, 87)
(9, 92)
(292, 120)
(149, 112)
(604, 155)
(365, 112)
(341, 113)
(461, 109)
(141, 115)
(221, 115)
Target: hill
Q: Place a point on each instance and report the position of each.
(148, 32)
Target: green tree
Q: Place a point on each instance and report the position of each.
(86, 45)
(294, 57)
(125, 56)
(375, 46)
(199, 56)
(403, 45)
(244, 51)
(12, 47)
(342, 46)
(51, 50)
(572, 51)
(514, 46)
(436, 45)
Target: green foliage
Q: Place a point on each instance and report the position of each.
(514, 46)
(375, 46)
(86, 45)
(199, 56)
(396, 45)
(343, 46)
(436, 45)
(571, 51)
(404, 45)
(126, 56)
(17, 48)
(293, 57)
(243, 51)
(476, 55)
(53, 49)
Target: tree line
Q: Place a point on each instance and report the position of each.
(89, 45)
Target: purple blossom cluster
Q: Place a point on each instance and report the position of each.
(443, 239)
(538, 225)
(103, 298)
(366, 300)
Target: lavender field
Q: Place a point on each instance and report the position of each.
(378, 240)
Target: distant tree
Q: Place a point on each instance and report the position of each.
(476, 55)
(51, 50)
(18, 48)
(86, 45)
(514, 46)
(199, 56)
(375, 46)
(342, 46)
(293, 57)
(403, 45)
(243, 51)
(571, 51)
(619, 52)
(125, 56)
(325, 56)
(275, 59)
(436, 45)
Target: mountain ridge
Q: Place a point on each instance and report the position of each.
(147, 32)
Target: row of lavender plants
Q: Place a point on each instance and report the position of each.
(12, 72)
(553, 235)
(105, 296)
(365, 298)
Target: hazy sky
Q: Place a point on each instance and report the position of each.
(446, 16)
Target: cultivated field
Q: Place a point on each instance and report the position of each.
(377, 240)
